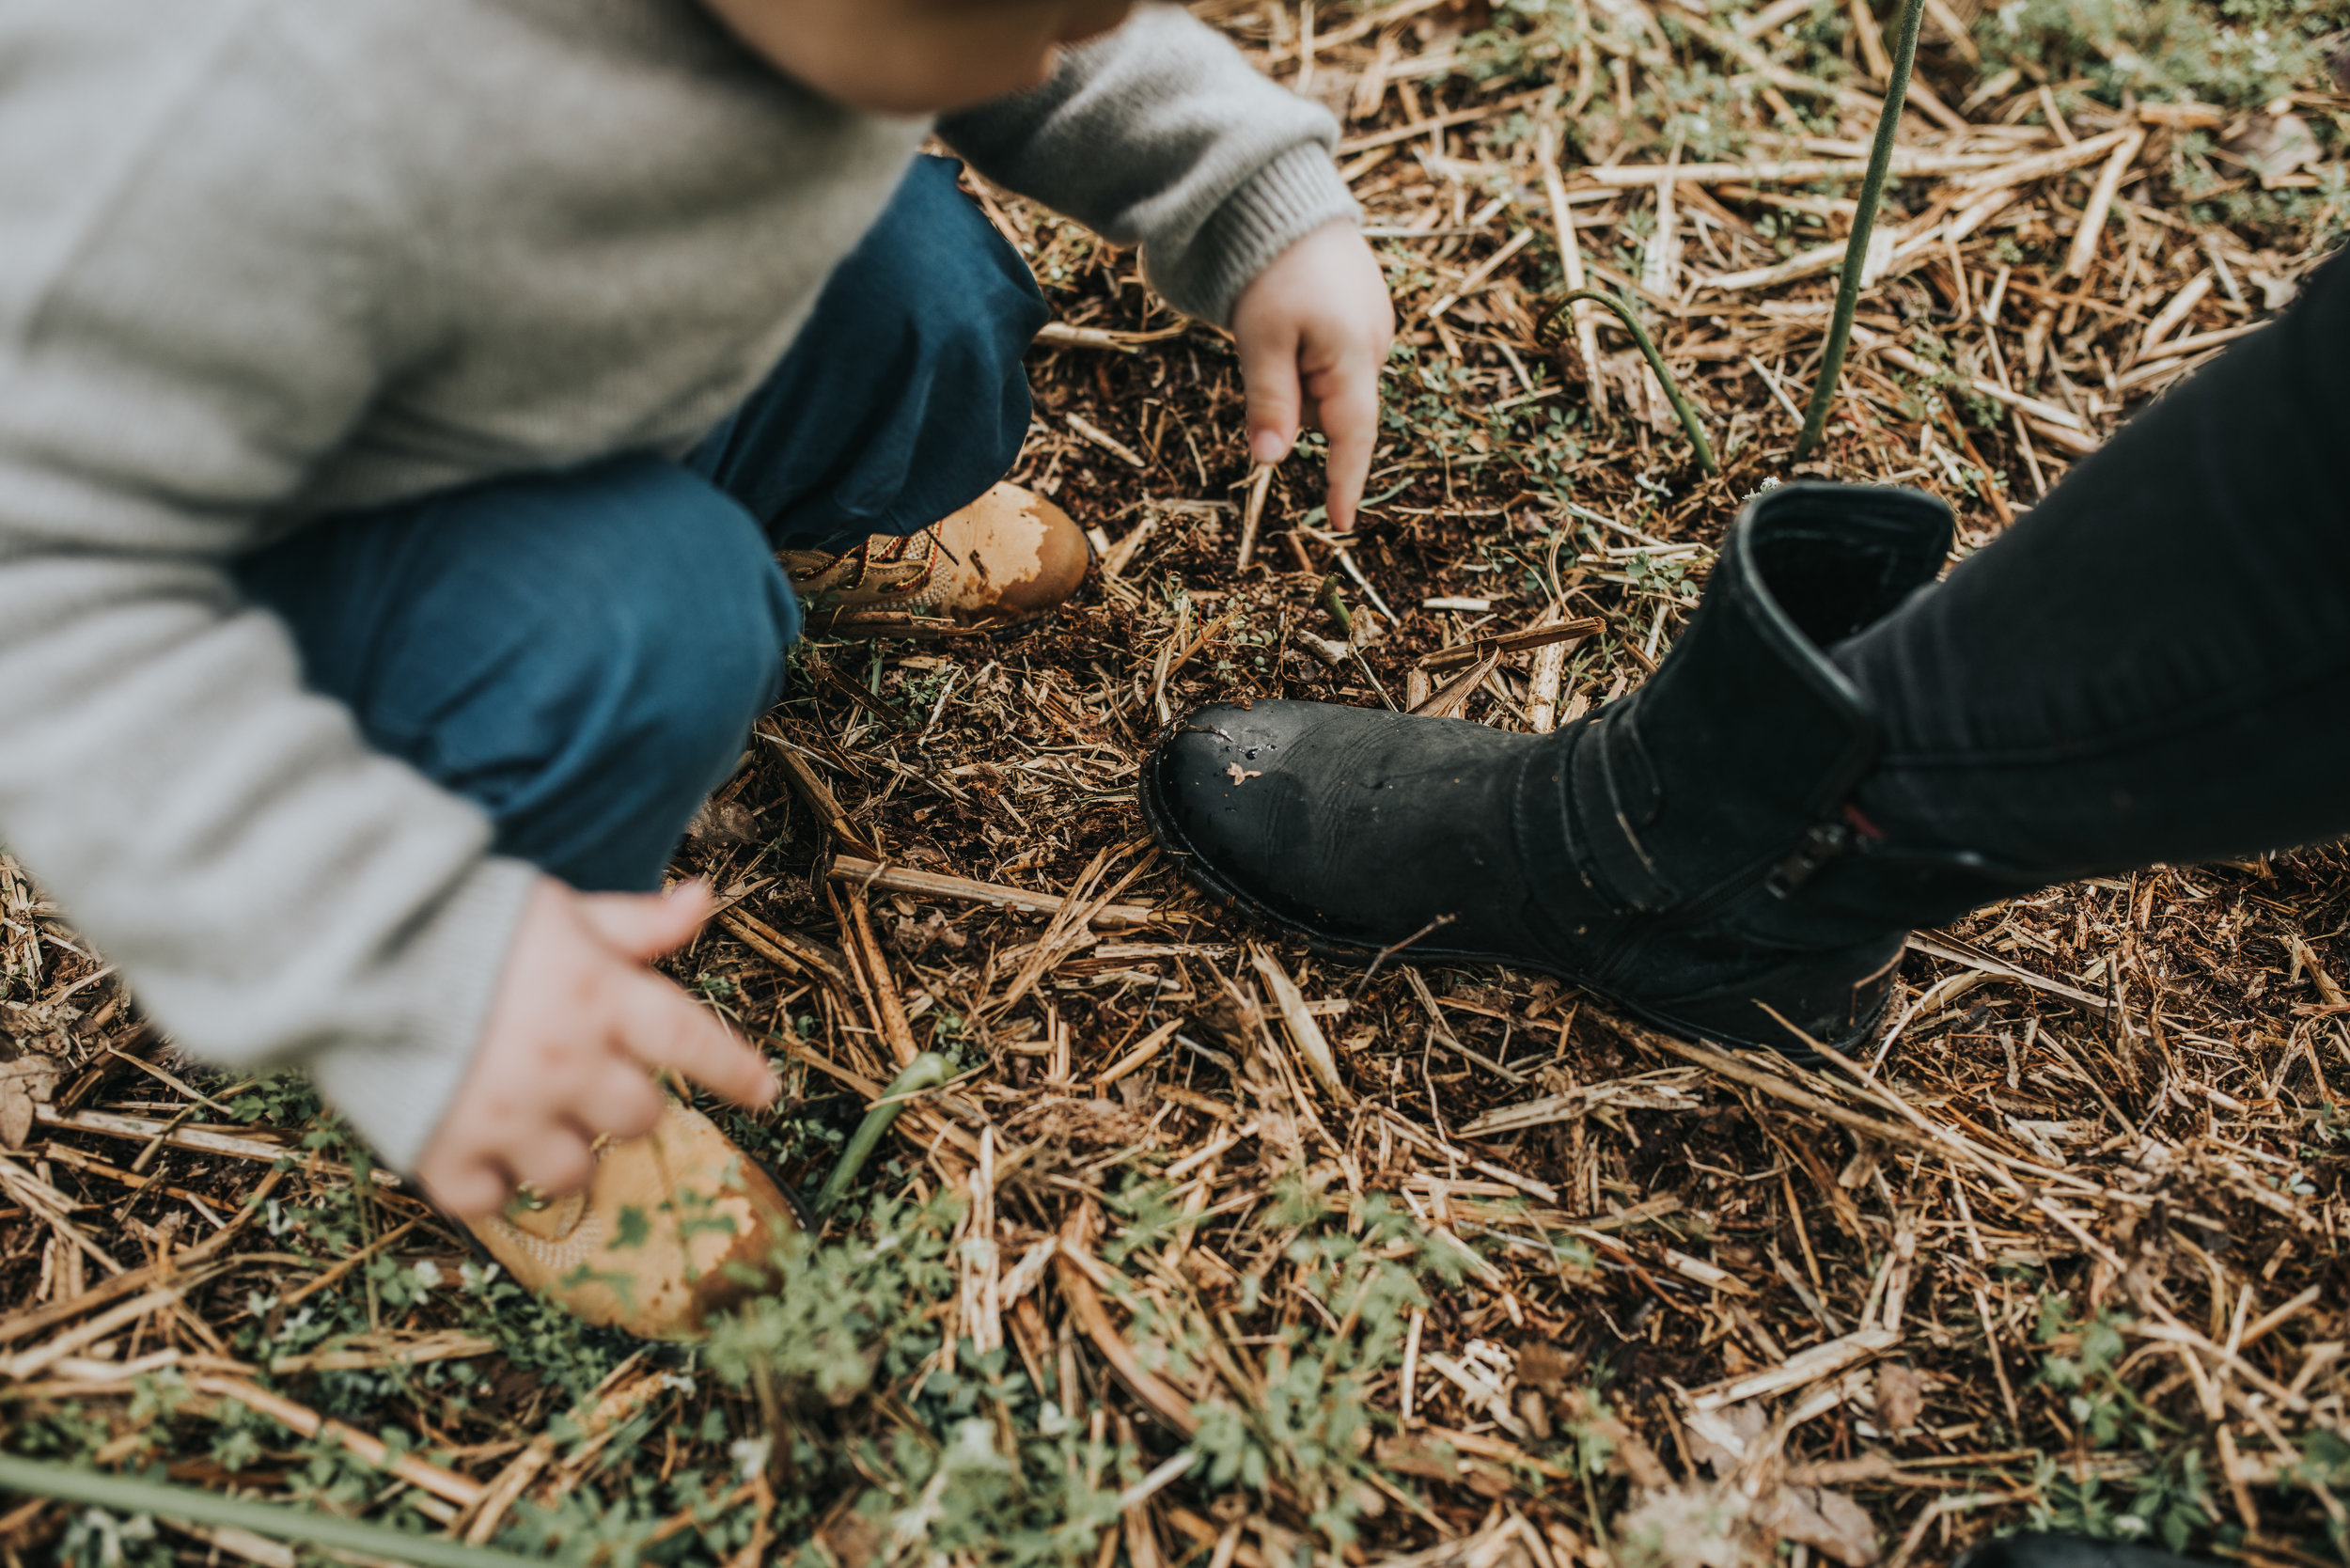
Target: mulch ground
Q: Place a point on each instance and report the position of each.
(2066, 1249)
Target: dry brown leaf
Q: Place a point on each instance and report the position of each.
(1545, 1366)
(37, 1025)
(722, 822)
(1684, 1527)
(1901, 1396)
(1829, 1522)
(852, 1537)
(27, 1082)
(1721, 1439)
(2272, 145)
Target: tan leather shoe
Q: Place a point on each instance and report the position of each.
(1008, 557)
(661, 1237)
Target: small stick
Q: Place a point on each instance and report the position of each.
(1856, 248)
(1571, 264)
(1547, 331)
(2100, 203)
(1139, 1055)
(332, 1274)
(1297, 548)
(931, 885)
(1372, 676)
(1348, 565)
(1449, 699)
(1191, 649)
(1550, 670)
(447, 1484)
(1394, 947)
(1550, 632)
(891, 1007)
(1259, 484)
(924, 1071)
(1122, 554)
(1104, 440)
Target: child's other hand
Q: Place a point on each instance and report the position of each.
(1313, 329)
(578, 1025)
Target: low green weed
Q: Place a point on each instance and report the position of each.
(2167, 1498)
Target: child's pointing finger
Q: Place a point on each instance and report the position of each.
(658, 1027)
(1350, 415)
(644, 926)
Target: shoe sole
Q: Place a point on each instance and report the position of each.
(802, 1214)
(924, 629)
(1197, 870)
(942, 628)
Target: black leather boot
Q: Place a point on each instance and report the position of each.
(2068, 1551)
(1655, 853)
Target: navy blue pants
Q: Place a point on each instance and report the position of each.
(583, 653)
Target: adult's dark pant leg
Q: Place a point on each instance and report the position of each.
(2153, 665)
(905, 397)
(581, 654)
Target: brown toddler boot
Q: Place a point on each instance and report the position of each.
(1009, 557)
(673, 1226)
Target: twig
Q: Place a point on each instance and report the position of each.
(1394, 947)
(890, 1009)
(2100, 203)
(1259, 486)
(1532, 637)
(932, 885)
(1571, 265)
(306, 1422)
(304, 1293)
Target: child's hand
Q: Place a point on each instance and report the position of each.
(578, 1025)
(1318, 316)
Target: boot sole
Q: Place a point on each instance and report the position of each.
(1323, 944)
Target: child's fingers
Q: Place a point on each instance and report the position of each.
(552, 1158)
(1347, 401)
(661, 1028)
(1268, 369)
(618, 1098)
(468, 1189)
(643, 926)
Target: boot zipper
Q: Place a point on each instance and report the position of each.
(1821, 843)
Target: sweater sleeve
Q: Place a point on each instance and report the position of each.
(1162, 134)
(275, 892)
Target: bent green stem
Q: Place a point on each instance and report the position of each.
(1655, 362)
(927, 1070)
(1333, 600)
(1856, 248)
(281, 1521)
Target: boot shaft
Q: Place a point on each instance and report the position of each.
(1732, 762)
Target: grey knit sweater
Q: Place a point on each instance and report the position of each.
(269, 259)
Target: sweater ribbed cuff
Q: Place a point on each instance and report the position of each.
(1279, 205)
(395, 1094)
